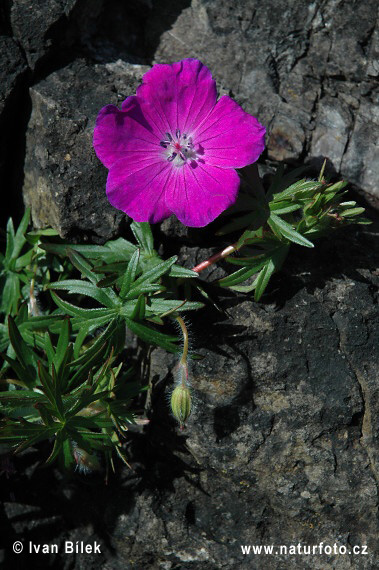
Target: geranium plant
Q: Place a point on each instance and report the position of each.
(172, 149)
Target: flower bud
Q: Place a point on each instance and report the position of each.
(85, 462)
(181, 403)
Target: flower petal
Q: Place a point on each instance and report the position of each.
(138, 187)
(197, 194)
(229, 137)
(178, 96)
(116, 131)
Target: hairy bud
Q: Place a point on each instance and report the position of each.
(181, 403)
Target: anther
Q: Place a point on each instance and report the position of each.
(171, 158)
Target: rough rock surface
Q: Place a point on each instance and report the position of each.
(64, 184)
(282, 448)
(33, 25)
(13, 70)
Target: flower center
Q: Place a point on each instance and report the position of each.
(179, 148)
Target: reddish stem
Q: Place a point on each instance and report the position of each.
(216, 257)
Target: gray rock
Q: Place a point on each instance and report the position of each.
(282, 447)
(64, 180)
(331, 132)
(361, 160)
(37, 25)
(54, 31)
(13, 73)
(304, 68)
(12, 68)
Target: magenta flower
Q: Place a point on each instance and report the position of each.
(173, 148)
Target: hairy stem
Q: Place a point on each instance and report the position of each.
(182, 324)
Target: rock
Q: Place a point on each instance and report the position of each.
(64, 181)
(13, 73)
(11, 70)
(287, 63)
(53, 32)
(282, 447)
(38, 26)
(331, 132)
(361, 159)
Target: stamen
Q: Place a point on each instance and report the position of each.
(178, 146)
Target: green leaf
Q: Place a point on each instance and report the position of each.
(152, 336)
(60, 438)
(97, 345)
(274, 264)
(107, 281)
(142, 233)
(74, 286)
(152, 275)
(23, 261)
(263, 278)
(80, 338)
(352, 212)
(63, 340)
(130, 274)
(118, 267)
(21, 398)
(158, 306)
(75, 311)
(86, 398)
(149, 288)
(284, 207)
(240, 275)
(178, 271)
(10, 294)
(19, 238)
(82, 265)
(25, 355)
(302, 188)
(47, 384)
(10, 240)
(92, 359)
(139, 310)
(27, 432)
(45, 414)
(68, 459)
(49, 349)
(42, 322)
(286, 230)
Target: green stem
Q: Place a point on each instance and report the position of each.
(182, 325)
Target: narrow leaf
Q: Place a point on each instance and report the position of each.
(276, 223)
(130, 274)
